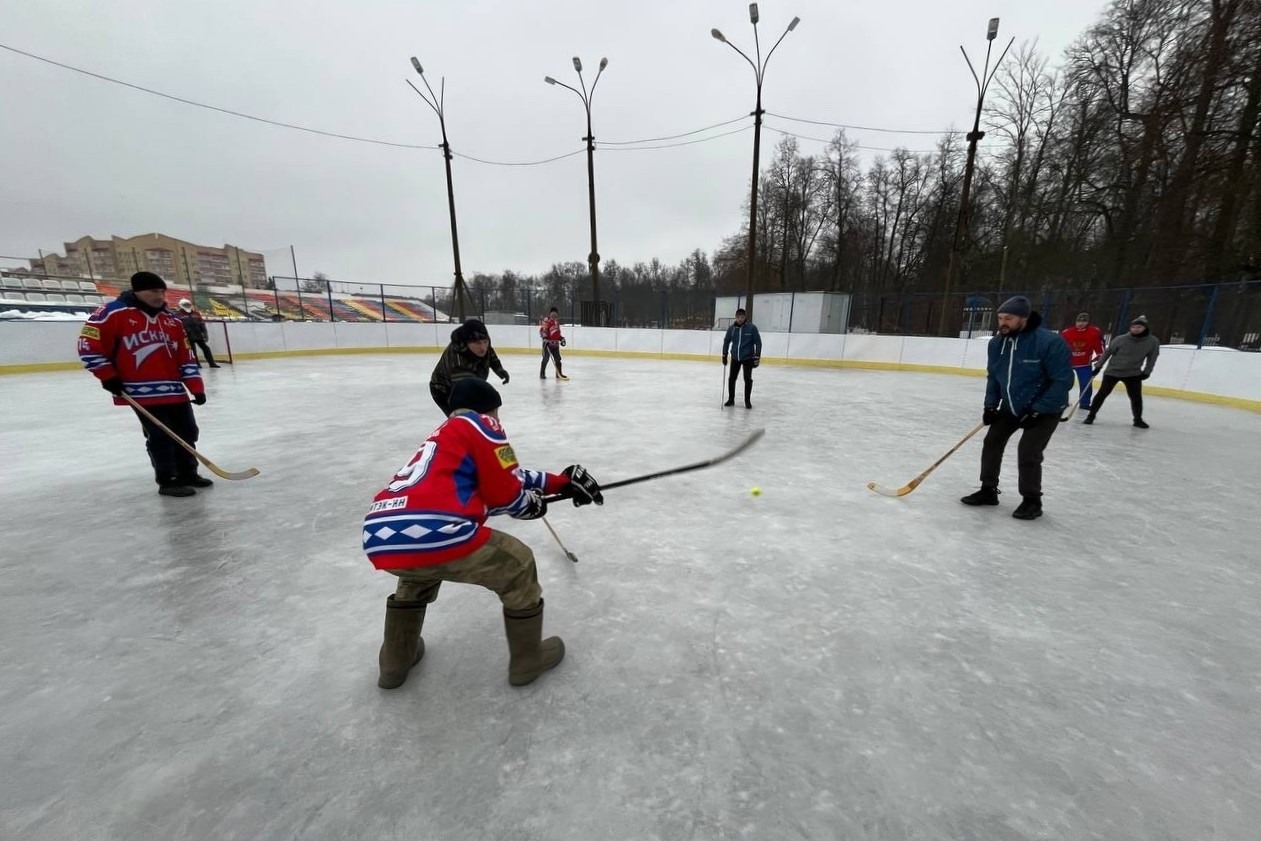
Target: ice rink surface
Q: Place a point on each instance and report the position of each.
(816, 663)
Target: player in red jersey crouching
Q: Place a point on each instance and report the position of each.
(428, 526)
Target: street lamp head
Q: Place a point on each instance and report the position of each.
(416, 64)
(992, 32)
(718, 36)
(794, 23)
(753, 13)
(604, 62)
(549, 80)
(578, 64)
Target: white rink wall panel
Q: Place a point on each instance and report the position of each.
(39, 342)
(639, 341)
(925, 350)
(1228, 374)
(691, 342)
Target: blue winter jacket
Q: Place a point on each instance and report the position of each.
(1029, 371)
(745, 338)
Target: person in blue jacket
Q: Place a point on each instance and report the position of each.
(746, 345)
(1026, 388)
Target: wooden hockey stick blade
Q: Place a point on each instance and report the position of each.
(753, 438)
(915, 483)
(210, 465)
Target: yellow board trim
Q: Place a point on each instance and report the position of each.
(1158, 391)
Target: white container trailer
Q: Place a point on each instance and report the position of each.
(788, 312)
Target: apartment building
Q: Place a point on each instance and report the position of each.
(176, 260)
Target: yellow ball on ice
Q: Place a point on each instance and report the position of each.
(756, 491)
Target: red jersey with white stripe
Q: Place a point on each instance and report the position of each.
(549, 329)
(435, 509)
(146, 349)
(1083, 344)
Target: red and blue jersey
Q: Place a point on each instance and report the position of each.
(549, 330)
(146, 349)
(1084, 344)
(435, 509)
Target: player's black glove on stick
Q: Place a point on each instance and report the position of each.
(537, 507)
(1028, 419)
(757, 360)
(114, 385)
(724, 360)
(562, 341)
(583, 489)
(989, 416)
(504, 377)
(199, 399)
(1145, 375)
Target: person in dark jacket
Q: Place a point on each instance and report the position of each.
(745, 344)
(468, 355)
(195, 330)
(1026, 388)
(1130, 360)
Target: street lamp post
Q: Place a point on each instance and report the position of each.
(974, 136)
(593, 259)
(759, 73)
(436, 103)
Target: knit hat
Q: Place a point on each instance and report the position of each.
(141, 281)
(1083, 316)
(472, 330)
(475, 394)
(1018, 306)
(1142, 319)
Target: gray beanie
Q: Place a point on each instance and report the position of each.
(1142, 319)
(1018, 306)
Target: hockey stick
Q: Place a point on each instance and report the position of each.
(915, 483)
(722, 388)
(732, 453)
(210, 465)
(568, 554)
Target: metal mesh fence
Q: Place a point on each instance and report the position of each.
(1227, 315)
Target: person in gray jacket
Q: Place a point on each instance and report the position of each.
(1130, 359)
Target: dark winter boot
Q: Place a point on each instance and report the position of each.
(196, 480)
(403, 646)
(987, 495)
(173, 489)
(1141, 424)
(530, 654)
(731, 401)
(543, 370)
(1090, 418)
(1030, 508)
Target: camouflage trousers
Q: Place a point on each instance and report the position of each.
(504, 565)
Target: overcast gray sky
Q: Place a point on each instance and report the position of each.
(85, 157)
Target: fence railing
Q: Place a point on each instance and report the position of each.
(1225, 314)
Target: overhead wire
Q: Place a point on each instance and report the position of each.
(860, 128)
(673, 145)
(853, 145)
(640, 145)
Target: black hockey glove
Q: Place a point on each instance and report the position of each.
(1145, 374)
(1095, 369)
(583, 489)
(562, 341)
(114, 385)
(199, 399)
(724, 360)
(989, 415)
(504, 377)
(536, 507)
(1028, 419)
(757, 360)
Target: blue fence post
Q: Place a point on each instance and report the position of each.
(1208, 317)
(665, 310)
(1119, 327)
